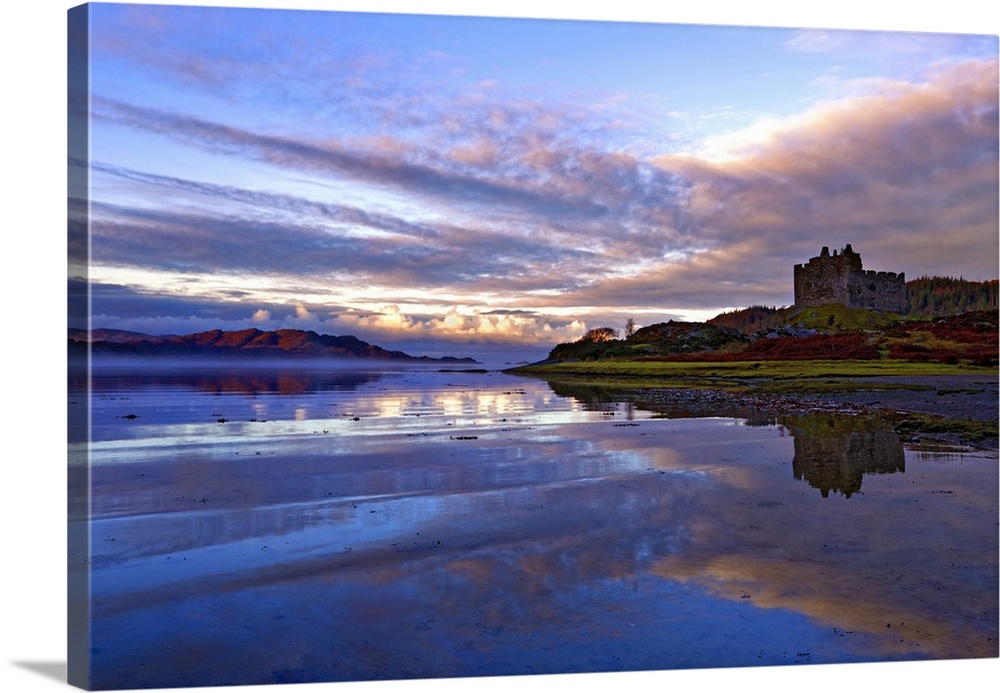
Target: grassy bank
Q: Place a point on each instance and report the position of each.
(741, 370)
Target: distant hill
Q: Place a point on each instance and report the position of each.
(250, 343)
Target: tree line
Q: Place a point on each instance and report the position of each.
(941, 296)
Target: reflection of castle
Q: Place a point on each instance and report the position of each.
(839, 278)
(834, 453)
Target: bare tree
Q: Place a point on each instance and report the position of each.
(629, 328)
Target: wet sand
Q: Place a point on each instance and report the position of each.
(970, 396)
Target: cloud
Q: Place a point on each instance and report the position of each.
(523, 235)
(493, 202)
(129, 302)
(302, 314)
(470, 327)
(904, 50)
(819, 40)
(445, 257)
(897, 173)
(530, 172)
(397, 172)
(712, 279)
(129, 308)
(889, 161)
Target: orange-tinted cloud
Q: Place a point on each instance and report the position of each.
(908, 173)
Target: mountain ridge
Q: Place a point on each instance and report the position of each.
(232, 344)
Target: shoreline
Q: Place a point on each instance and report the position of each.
(932, 403)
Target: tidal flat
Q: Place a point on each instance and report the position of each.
(257, 526)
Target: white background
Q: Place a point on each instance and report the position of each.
(33, 318)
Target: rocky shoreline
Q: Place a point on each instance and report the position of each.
(914, 403)
(970, 396)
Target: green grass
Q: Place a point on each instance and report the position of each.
(746, 369)
(966, 429)
(838, 317)
(771, 377)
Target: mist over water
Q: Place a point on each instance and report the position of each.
(267, 525)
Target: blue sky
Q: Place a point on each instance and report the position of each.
(448, 184)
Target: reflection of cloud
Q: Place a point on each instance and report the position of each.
(842, 563)
(806, 587)
(555, 521)
(752, 535)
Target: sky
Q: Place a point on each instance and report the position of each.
(489, 185)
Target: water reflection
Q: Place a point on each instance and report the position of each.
(224, 379)
(474, 524)
(834, 453)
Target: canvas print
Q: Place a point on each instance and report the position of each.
(414, 347)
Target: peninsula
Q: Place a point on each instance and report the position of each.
(855, 341)
(238, 345)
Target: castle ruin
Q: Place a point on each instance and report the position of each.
(839, 278)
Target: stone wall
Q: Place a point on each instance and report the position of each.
(840, 278)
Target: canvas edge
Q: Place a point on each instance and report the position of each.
(78, 636)
(78, 314)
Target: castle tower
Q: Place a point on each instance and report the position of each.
(841, 278)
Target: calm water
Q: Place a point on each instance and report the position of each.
(264, 526)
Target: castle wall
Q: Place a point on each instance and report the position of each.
(878, 290)
(839, 278)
